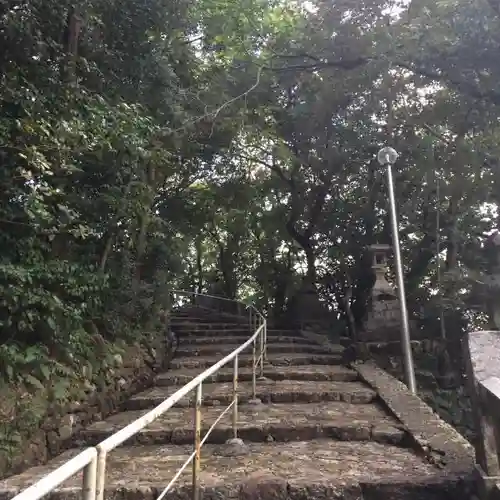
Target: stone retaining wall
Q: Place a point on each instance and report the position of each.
(32, 431)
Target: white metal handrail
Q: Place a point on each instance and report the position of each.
(93, 460)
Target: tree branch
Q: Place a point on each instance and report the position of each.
(465, 87)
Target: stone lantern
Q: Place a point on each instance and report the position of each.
(383, 321)
(382, 288)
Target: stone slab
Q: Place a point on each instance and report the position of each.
(484, 351)
(271, 422)
(317, 469)
(211, 330)
(282, 391)
(209, 325)
(306, 372)
(482, 357)
(189, 318)
(222, 349)
(293, 359)
(213, 339)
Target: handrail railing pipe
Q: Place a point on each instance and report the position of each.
(256, 341)
(235, 397)
(265, 341)
(263, 347)
(254, 370)
(197, 442)
(86, 461)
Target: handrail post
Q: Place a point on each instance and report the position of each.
(197, 443)
(261, 349)
(235, 397)
(90, 480)
(254, 377)
(265, 339)
(101, 473)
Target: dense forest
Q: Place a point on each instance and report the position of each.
(150, 145)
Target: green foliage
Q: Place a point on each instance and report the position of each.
(213, 145)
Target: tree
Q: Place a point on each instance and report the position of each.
(149, 145)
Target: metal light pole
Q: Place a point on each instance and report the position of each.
(387, 156)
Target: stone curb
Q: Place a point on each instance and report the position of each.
(438, 441)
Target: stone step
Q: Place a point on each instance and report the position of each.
(292, 359)
(222, 349)
(317, 469)
(210, 317)
(216, 308)
(191, 308)
(260, 423)
(307, 372)
(207, 317)
(175, 322)
(215, 339)
(232, 330)
(268, 391)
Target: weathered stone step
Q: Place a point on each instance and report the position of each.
(229, 330)
(209, 325)
(207, 317)
(307, 372)
(269, 391)
(296, 470)
(222, 349)
(215, 339)
(199, 310)
(273, 422)
(274, 359)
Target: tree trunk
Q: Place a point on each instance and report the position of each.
(227, 270)
(452, 243)
(148, 177)
(70, 40)
(311, 261)
(113, 228)
(199, 266)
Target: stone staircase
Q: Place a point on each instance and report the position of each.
(321, 430)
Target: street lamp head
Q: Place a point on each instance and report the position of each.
(387, 155)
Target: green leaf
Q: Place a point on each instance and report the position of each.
(45, 371)
(33, 381)
(52, 324)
